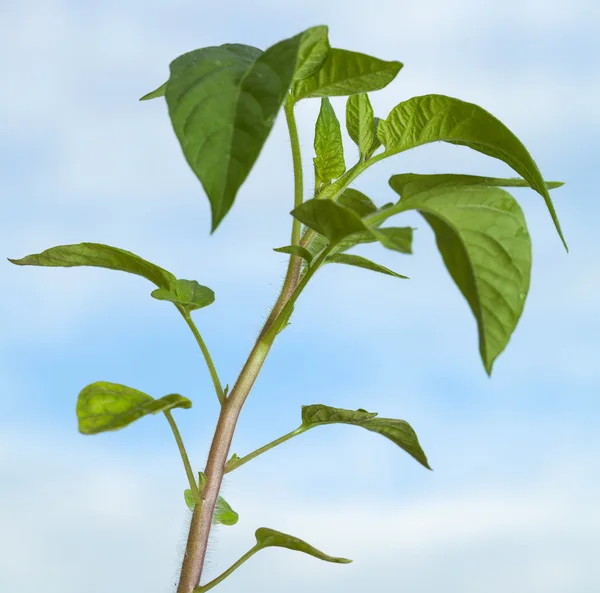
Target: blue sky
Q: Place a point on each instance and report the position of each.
(512, 503)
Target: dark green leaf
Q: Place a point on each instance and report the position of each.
(346, 73)
(266, 537)
(100, 256)
(223, 102)
(187, 293)
(104, 406)
(360, 123)
(329, 160)
(357, 201)
(329, 219)
(433, 118)
(159, 92)
(312, 53)
(361, 262)
(397, 431)
(296, 250)
(482, 236)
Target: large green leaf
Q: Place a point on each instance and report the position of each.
(483, 238)
(434, 118)
(346, 73)
(313, 51)
(329, 160)
(397, 431)
(186, 293)
(223, 514)
(104, 406)
(360, 262)
(360, 123)
(223, 102)
(266, 538)
(407, 184)
(100, 256)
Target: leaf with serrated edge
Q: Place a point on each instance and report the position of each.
(360, 123)
(186, 293)
(266, 538)
(104, 406)
(361, 262)
(346, 73)
(223, 102)
(99, 256)
(329, 150)
(483, 238)
(397, 431)
(434, 118)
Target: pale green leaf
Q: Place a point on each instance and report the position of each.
(361, 262)
(266, 538)
(360, 123)
(100, 256)
(187, 293)
(397, 431)
(313, 52)
(223, 514)
(346, 73)
(434, 118)
(104, 406)
(329, 160)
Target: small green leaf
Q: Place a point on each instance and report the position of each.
(187, 293)
(296, 250)
(395, 238)
(223, 514)
(360, 123)
(329, 219)
(189, 499)
(357, 201)
(286, 320)
(100, 256)
(231, 462)
(226, 390)
(223, 102)
(482, 236)
(434, 118)
(346, 73)
(313, 52)
(329, 160)
(266, 538)
(408, 184)
(361, 262)
(397, 431)
(104, 406)
(159, 92)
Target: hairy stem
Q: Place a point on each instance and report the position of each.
(227, 572)
(209, 363)
(184, 456)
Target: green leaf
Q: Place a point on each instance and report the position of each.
(329, 160)
(223, 514)
(329, 219)
(483, 238)
(302, 252)
(408, 184)
(346, 73)
(104, 406)
(360, 123)
(223, 102)
(266, 538)
(286, 320)
(395, 238)
(187, 293)
(159, 92)
(313, 52)
(100, 256)
(433, 118)
(357, 201)
(397, 431)
(361, 262)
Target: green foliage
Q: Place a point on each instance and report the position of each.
(312, 53)
(360, 262)
(434, 118)
(357, 201)
(187, 294)
(104, 406)
(266, 538)
(346, 73)
(223, 515)
(360, 123)
(397, 431)
(329, 160)
(302, 252)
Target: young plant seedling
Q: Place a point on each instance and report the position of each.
(223, 102)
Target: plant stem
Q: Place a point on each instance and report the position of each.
(297, 163)
(184, 456)
(211, 367)
(246, 458)
(226, 573)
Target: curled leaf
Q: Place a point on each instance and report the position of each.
(187, 293)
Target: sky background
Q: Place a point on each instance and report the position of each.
(512, 502)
